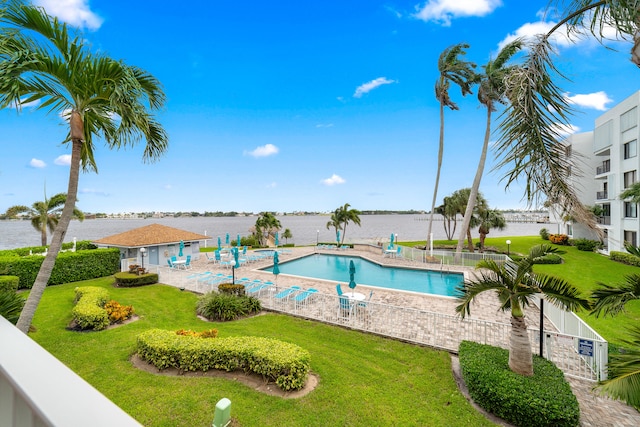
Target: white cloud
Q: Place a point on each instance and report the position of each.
(442, 11)
(566, 130)
(531, 29)
(73, 12)
(37, 163)
(63, 160)
(31, 104)
(324, 125)
(272, 185)
(369, 86)
(94, 191)
(335, 179)
(596, 100)
(168, 187)
(263, 151)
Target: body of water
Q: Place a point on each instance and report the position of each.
(306, 230)
(336, 268)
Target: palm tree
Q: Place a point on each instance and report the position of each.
(515, 284)
(461, 203)
(42, 60)
(623, 368)
(335, 222)
(488, 219)
(632, 193)
(44, 214)
(346, 216)
(449, 212)
(538, 108)
(490, 92)
(451, 69)
(287, 235)
(266, 226)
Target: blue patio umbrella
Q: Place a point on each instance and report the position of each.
(235, 256)
(338, 236)
(181, 248)
(276, 261)
(219, 243)
(391, 240)
(276, 239)
(352, 273)
(227, 239)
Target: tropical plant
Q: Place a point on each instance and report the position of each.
(43, 60)
(449, 211)
(632, 193)
(11, 304)
(266, 226)
(44, 215)
(624, 368)
(346, 216)
(491, 91)
(287, 235)
(633, 250)
(335, 223)
(488, 219)
(451, 69)
(515, 285)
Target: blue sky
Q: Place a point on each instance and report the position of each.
(297, 106)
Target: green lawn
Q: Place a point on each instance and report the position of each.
(583, 270)
(364, 379)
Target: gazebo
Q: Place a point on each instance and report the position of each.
(160, 243)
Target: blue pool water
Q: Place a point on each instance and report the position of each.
(336, 268)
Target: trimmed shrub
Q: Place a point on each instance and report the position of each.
(9, 283)
(224, 307)
(559, 239)
(231, 289)
(548, 259)
(69, 266)
(586, 244)
(89, 312)
(130, 280)
(544, 234)
(544, 399)
(117, 312)
(624, 258)
(286, 364)
(11, 305)
(211, 333)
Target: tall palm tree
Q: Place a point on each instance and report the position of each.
(335, 222)
(44, 215)
(266, 226)
(488, 219)
(515, 284)
(451, 69)
(623, 368)
(42, 60)
(449, 212)
(346, 216)
(491, 91)
(461, 203)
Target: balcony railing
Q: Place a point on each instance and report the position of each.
(602, 195)
(604, 220)
(604, 168)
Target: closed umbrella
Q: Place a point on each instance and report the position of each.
(235, 256)
(391, 244)
(181, 248)
(276, 268)
(352, 273)
(227, 239)
(238, 241)
(338, 236)
(219, 243)
(276, 239)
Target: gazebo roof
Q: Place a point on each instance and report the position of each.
(150, 235)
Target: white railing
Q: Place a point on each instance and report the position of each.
(441, 330)
(37, 390)
(441, 258)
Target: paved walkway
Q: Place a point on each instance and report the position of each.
(595, 409)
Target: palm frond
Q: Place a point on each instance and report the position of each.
(624, 372)
(611, 300)
(561, 293)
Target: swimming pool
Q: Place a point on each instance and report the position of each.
(336, 268)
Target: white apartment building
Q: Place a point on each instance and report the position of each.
(609, 162)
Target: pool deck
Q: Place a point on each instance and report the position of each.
(595, 410)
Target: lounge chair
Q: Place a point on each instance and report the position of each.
(285, 294)
(187, 264)
(339, 289)
(344, 308)
(303, 297)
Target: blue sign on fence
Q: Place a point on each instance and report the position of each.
(585, 347)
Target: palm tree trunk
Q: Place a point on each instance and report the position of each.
(520, 356)
(29, 310)
(483, 236)
(435, 188)
(470, 241)
(475, 188)
(43, 235)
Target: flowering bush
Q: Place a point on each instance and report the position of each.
(559, 239)
(117, 312)
(211, 333)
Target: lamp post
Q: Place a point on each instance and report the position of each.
(508, 248)
(233, 271)
(317, 236)
(142, 254)
(396, 239)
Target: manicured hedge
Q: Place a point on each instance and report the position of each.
(129, 280)
(9, 283)
(624, 258)
(586, 244)
(230, 288)
(548, 259)
(286, 364)
(544, 399)
(69, 266)
(224, 307)
(89, 312)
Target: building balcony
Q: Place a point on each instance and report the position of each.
(604, 220)
(604, 168)
(600, 195)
